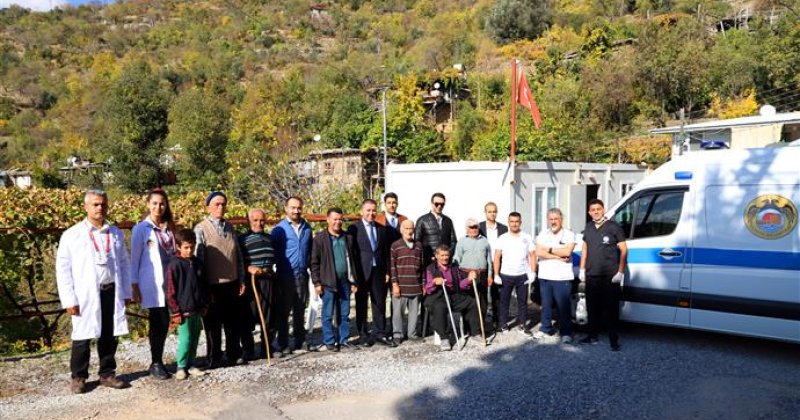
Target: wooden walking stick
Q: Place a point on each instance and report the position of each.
(480, 313)
(264, 330)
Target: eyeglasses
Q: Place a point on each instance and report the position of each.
(473, 227)
(439, 204)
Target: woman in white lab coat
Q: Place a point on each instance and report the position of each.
(93, 276)
(152, 246)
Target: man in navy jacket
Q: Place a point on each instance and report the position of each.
(372, 250)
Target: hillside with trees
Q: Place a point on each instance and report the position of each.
(216, 91)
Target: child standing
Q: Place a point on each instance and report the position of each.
(188, 298)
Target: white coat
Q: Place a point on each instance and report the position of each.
(79, 284)
(149, 263)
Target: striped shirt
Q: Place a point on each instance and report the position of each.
(257, 249)
(406, 267)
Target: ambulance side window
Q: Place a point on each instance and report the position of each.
(651, 214)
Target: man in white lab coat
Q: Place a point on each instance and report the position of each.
(93, 275)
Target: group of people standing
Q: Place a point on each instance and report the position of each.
(212, 279)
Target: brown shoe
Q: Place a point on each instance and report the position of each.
(112, 381)
(78, 385)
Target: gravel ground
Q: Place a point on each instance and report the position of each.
(660, 373)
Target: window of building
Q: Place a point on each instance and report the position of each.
(544, 198)
(327, 168)
(352, 167)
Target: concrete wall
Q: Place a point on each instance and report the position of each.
(755, 136)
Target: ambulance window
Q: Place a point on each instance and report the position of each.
(624, 218)
(651, 214)
(656, 214)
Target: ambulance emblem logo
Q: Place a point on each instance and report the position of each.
(770, 216)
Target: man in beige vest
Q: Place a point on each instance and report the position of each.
(223, 269)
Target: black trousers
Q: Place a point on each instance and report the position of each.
(602, 304)
(246, 320)
(106, 344)
(223, 314)
(482, 286)
(494, 291)
(440, 317)
(293, 298)
(374, 291)
(265, 287)
(158, 322)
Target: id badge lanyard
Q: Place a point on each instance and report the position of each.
(101, 258)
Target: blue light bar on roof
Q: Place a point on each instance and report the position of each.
(684, 175)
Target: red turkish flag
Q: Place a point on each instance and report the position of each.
(525, 98)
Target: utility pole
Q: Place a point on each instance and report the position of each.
(682, 137)
(385, 150)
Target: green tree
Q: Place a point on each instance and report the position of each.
(135, 121)
(510, 20)
(199, 128)
(674, 64)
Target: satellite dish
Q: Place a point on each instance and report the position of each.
(317, 137)
(767, 111)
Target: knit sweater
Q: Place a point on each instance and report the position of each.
(406, 267)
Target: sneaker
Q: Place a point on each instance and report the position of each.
(330, 347)
(567, 339)
(182, 374)
(77, 385)
(196, 371)
(240, 361)
(158, 371)
(112, 381)
(540, 335)
(589, 340)
(348, 347)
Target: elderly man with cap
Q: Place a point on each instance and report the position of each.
(93, 276)
(218, 250)
(474, 258)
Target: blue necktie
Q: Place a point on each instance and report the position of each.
(373, 240)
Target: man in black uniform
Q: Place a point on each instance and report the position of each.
(603, 260)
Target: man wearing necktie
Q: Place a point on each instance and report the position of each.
(372, 248)
(390, 218)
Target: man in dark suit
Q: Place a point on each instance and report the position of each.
(390, 218)
(492, 229)
(435, 228)
(372, 251)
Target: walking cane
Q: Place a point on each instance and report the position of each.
(261, 315)
(480, 313)
(450, 311)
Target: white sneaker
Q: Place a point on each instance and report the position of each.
(196, 372)
(181, 374)
(538, 335)
(567, 339)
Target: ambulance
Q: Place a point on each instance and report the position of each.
(714, 243)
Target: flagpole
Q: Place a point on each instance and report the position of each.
(513, 110)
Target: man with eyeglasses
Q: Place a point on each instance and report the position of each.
(474, 258)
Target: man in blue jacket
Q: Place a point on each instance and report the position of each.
(292, 241)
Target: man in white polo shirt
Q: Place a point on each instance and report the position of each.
(513, 257)
(554, 248)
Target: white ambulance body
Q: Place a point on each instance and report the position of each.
(714, 243)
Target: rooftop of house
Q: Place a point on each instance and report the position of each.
(755, 120)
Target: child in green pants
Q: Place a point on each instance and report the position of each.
(188, 298)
